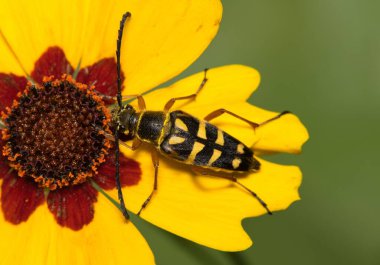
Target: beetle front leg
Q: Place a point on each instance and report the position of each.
(171, 102)
(156, 163)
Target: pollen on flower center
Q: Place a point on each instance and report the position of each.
(55, 133)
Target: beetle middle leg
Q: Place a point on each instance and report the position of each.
(171, 102)
(156, 163)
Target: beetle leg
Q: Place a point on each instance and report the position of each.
(140, 100)
(235, 180)
(106, 98)
(254, 194)
(135, 144)
(171, 102)
(156, 162)
(111, 99)
(218, 112)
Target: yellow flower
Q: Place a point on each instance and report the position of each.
(161, 39)
(206, 209)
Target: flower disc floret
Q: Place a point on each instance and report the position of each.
(55, 133)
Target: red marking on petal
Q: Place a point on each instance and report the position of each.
(102, 74)
(130, 172)
(4, 168)
(10, 85)
(73, 207)
(19, 197)
(52, 62)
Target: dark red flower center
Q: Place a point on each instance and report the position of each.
(55, 133)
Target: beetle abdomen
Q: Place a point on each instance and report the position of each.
(202, 144)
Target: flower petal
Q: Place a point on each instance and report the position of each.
(130, 172)
(8, 63)
(286, 134)
(19, 198)
(209, 210)
(155, 48)
(73, 207)
(43, 25)
(225, 85)
(52, 62)
(10, 85)
(161, 42)
(106, 240)
(4, 168)
(102, 74)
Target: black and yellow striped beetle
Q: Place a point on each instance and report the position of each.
(182, 137)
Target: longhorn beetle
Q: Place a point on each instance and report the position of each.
(180, 136)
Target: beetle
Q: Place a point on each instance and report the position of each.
(180, 136)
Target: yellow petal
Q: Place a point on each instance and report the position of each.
(228, 87)
(78, 27)
(225, 85)
(209, 210)
(31, 27)
(106, 240)
(8, 63)
(163, 38)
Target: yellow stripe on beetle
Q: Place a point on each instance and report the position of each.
(181, 125)
(197, 147)
(240, 149)
(176, 140)
(236, 163)
(220, 138)
(215, 155)
(202, 130)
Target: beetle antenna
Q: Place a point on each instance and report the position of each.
(117, 150)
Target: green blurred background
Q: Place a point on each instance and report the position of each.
(321, 60)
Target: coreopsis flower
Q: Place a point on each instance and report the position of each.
(56, 62)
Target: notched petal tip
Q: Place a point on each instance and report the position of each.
(20, 197)
(298, 132)
(73, 207)
(278, 184)
(284, 135)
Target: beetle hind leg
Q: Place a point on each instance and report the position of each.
(219, 112)
(254, 194)
(233, 179)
